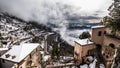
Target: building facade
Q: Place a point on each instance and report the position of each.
(82, 49)
(21, 56)
(100, 36)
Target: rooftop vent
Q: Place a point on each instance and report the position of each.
(7, 55)
(13, 57)
(87, 41)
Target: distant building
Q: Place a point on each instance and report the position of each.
(21, 56)
(82, 49)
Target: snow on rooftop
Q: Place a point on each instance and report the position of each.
(100, 26)
(83, 41)
(46, 57)
(90, 58)
(84, 66)
(20, 51)
(42, 52)
(2, 49)
(93, 64)
(102, 66)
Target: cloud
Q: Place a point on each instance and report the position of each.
(57, 12)
(42, 9)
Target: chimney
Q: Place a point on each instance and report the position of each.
(7, 55)
(87, 41)
(13, 57)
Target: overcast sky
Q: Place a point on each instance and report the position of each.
(57, 12)
(90, 6)
(84, 7)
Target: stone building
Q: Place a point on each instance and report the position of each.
(82, 49)
(21, 56)
(100, 36)
(103, 36)
(109, 42)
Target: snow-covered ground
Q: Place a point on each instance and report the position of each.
(91, 65)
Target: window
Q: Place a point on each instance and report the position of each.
(112, 45)
(30, 56)
(99, 33)
(104, 32)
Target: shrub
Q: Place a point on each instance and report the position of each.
(85, 35)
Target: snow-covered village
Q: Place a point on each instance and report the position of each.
(60, 34)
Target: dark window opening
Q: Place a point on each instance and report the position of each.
(107, 56)
(3, 60)
(99, 33)
(104, 32)
(112, 45)
(30, 56)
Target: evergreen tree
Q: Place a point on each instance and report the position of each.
(55, 51)
(113, 19)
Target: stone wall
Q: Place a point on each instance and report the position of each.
(108, 40)
(98, 39)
